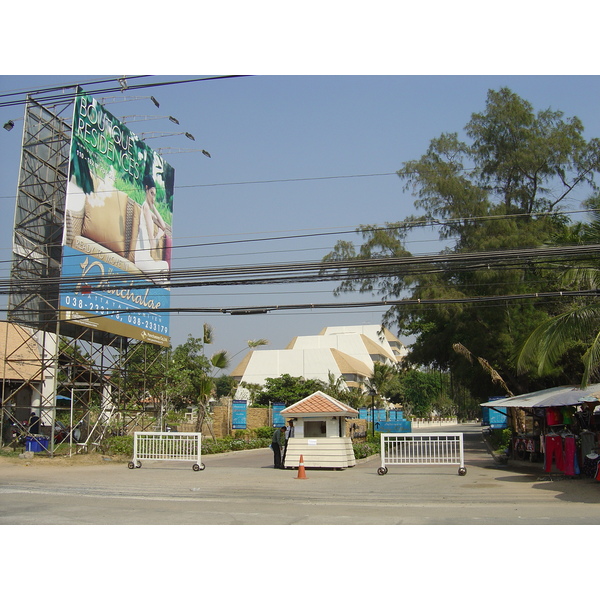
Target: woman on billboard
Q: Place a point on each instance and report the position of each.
(152, 232)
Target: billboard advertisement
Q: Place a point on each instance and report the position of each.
(117, 237)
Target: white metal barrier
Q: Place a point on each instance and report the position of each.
(166, 446)
(422, 449)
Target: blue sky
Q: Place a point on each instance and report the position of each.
(340, 97)
(355, 130)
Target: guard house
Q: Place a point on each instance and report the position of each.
(319, 434)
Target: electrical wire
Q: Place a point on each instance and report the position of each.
(270, 308)
(69, 96)
(301, 272)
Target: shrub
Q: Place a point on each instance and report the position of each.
(229, 444)
(364, 449)
(118, 444)
(264, 432)
(500, 439)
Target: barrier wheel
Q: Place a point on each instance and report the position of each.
(139, 465)
(382, 471)
(130, 465)
(199, 467)
(462, 471)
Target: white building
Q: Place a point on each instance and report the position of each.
(349, 352)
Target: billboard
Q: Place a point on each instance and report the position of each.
(117, 237)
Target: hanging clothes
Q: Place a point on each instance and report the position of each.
(554, 452)
(588, 442)
(568, 414)
(553, 416)
(571, 465)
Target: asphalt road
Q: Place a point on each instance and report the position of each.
(242, 488)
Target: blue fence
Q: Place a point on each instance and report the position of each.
(395, 415)
(380, 414)
(386, 421)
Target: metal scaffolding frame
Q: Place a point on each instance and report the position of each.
(84, 384)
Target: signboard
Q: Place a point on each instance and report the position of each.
(238, 414)
(118, 229)
(278, 418)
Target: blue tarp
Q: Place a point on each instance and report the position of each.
(496, 418)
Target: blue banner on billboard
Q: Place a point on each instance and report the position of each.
(113, 305)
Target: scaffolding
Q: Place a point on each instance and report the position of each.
(83, 384)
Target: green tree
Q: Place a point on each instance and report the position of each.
(500, 189)
(287, 389)
(422, 392)
(225, 385)
(139, 373)
(191, 374)
(380, 384)
(337, 388)
(383, 379)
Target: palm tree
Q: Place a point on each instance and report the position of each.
(335, 386)
(580, 324)
(383, 376)
(253, 344)
(205, 385)
(553, 338)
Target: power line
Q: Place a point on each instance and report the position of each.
(418, 223)
(68, 97)
(292, 179)
(301, 272)
(64, 86)
(269, 308)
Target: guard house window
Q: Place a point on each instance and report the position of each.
(314, 429)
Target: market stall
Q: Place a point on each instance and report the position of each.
(559, 426)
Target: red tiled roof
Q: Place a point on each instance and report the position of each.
(319, 402)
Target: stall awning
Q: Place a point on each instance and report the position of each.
(558, 396)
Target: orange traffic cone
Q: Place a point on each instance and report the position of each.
(301, 471)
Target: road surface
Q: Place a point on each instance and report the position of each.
(242, 488)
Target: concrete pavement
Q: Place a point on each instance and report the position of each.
(243, 488)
